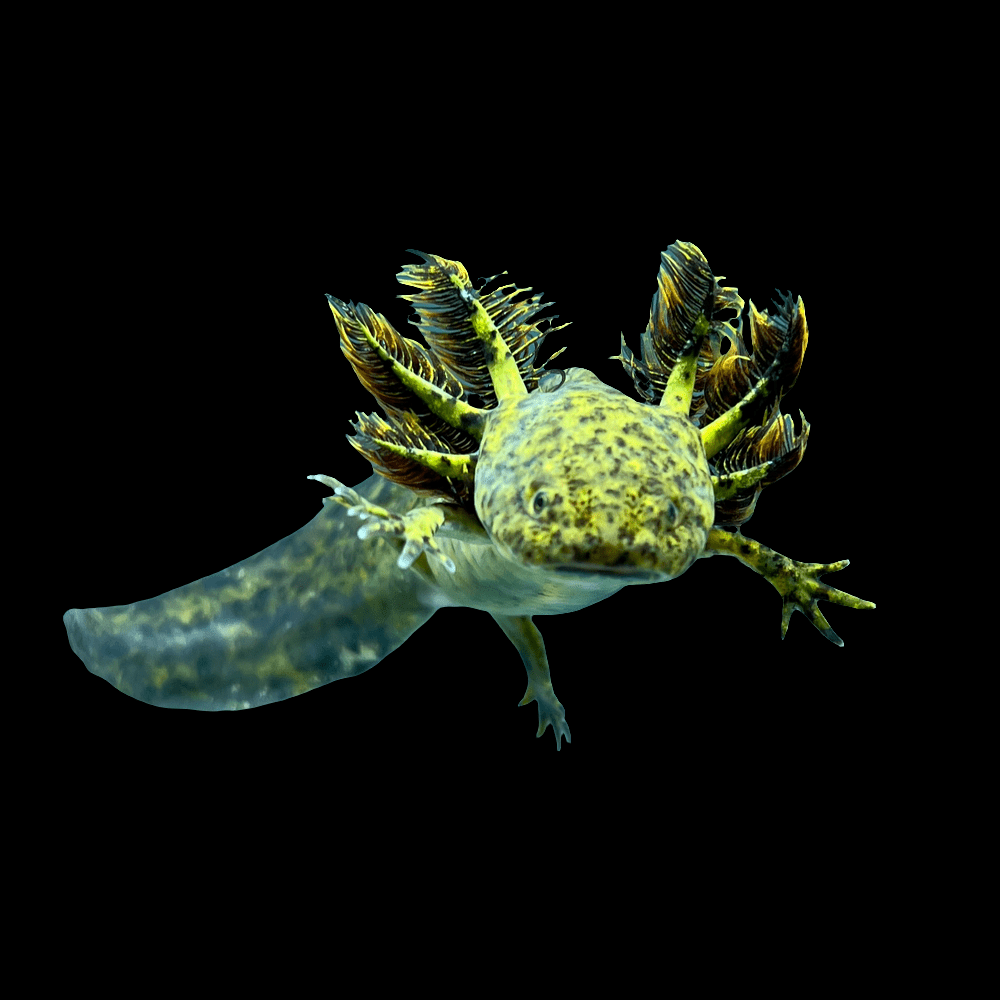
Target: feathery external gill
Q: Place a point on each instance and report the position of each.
(740, 390)
(475, 341)
(445, 305)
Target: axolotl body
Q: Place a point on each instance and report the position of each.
(547, 495)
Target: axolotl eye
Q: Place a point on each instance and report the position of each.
(671, 515)
(539, 502)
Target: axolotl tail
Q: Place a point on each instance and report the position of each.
(313, 608)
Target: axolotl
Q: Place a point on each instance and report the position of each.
(498, 485)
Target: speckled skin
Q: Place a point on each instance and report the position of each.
(577, 490)
(583, 477)
(315, 607)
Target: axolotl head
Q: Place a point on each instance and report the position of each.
(584, 479)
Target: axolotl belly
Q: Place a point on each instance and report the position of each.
(553, 495)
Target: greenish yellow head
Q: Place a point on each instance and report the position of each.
(582, 478)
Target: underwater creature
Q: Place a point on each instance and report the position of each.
(499, 485)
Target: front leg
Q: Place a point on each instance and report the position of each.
(415, 529)
(798, 583)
